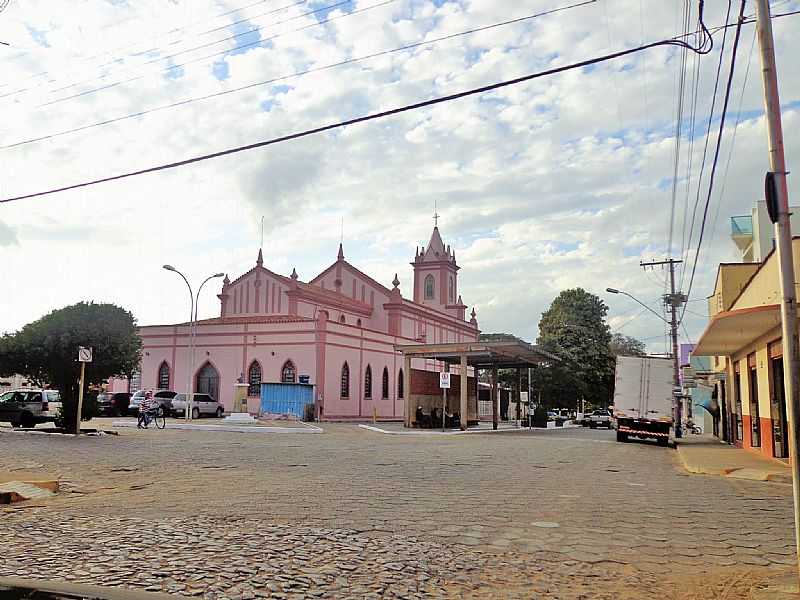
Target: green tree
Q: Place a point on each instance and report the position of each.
(47, 349)
(625, 345)
(574, 329)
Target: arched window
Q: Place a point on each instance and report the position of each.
(385, 384)
(345, 390)
(451, 292)
(358, 322)
(429, 285)
(163, 376)
(368, 382)
(342, 319)
(400, 383)
(288, 373)
(254, 379)
(207, 381)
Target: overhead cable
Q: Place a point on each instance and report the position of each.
(280, 78)
(704, 47)
(716, 151)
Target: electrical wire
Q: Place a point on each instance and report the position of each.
(733, 136)
(173, 67)
(678, 128)
(137, 43)
(708, 133)
(716, 151)
(704, 47)
(286, 77)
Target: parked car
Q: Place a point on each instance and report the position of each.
(162, 398)
(27, 407)
(600, 418)
(113, 405)
(202, 404)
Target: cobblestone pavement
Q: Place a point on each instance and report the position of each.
(351, 513)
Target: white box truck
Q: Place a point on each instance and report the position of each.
(643, 398)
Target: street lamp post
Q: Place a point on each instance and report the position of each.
(193, 302)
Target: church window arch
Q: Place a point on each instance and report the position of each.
(385, 383)
(345, 382)
(430, 284)
(400, 384)
(163, 376)
(451, 291)
(254, 379)
(288, 372)
(368, 382)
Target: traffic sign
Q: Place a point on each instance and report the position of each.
(84, 354)
(444, 380)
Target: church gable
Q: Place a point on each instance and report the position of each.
(257, 292)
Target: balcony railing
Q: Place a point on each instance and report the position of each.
(742, 225)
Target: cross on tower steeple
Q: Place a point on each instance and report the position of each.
(435, 214)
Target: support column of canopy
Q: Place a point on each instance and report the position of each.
(463, 389)
(409, 416)
(494, 397)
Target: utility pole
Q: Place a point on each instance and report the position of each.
(674, 300)
(783, 239)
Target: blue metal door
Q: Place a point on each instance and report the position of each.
(286, 398)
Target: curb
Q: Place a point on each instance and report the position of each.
(747, 473)
(375, 429)
(307, 429)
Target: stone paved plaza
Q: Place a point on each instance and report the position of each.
(356, 514)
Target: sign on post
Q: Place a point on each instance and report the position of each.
(84, 354)
(444, 380)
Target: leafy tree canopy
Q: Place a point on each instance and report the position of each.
(47, 349)
(625, 345)
(574, 328)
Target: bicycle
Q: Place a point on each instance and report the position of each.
(155, 415)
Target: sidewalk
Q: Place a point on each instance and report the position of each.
(706, 455)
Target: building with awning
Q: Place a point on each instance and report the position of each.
(743, 337)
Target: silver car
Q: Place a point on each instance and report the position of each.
(202, 404)
(27, 407)
(162, 398)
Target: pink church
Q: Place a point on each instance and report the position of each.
(336, 332)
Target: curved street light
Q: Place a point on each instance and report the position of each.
(616, 291)
(193, 302)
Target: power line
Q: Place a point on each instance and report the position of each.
(716, 151)
(733, 137)
(708, 132)
(128, 46)
(704, 48)
(226, 51)
(678, 126)
(290, 76)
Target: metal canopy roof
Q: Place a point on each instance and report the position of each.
(483, 355)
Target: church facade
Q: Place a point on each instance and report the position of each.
(336, 332)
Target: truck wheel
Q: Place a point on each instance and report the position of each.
(622, 436)
(662, 441)
(592, 425)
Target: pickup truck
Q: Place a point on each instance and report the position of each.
(600, 418)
